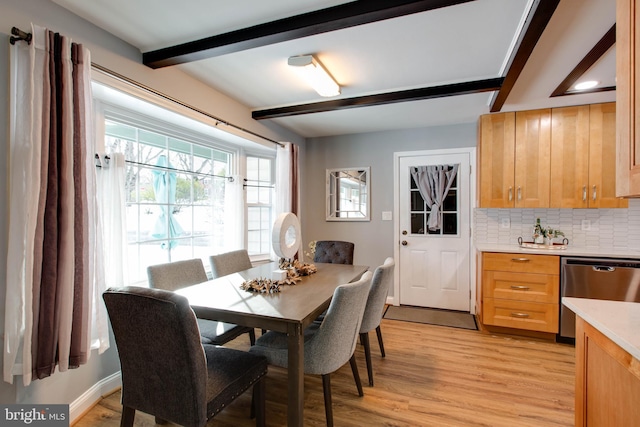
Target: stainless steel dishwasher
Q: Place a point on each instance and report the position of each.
(595, 278)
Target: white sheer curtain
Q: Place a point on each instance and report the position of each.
(234, 213)
(26, 92)
(112, 207)
(283, 179)
(434, 183)
(287, 197)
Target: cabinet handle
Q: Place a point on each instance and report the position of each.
(510, 193)
(520, 315)
(584, 193)
(520, 287)
(594, 193)
(520, 259)
(519, 193)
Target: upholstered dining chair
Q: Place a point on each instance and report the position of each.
(175, 275)
(229, 262)
(166, 371)
(380, 285)
(328, 345)
(334, 252)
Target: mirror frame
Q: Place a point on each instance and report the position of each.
(332, 196)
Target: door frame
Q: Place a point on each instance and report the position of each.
(471, 151)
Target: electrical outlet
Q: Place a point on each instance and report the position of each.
(585, 225)
(505, 223)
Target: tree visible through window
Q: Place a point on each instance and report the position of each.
(175, 196)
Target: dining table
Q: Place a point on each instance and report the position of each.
(289, 311)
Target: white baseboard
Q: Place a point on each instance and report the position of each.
(89, 398)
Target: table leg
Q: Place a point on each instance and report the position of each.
(295, 376)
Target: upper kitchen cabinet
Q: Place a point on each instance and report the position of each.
(496, 152)
(602, 157)
(550, 158)
(627, 99)
(583, 157)
(570, 157)
(533, 158)
(514, 151)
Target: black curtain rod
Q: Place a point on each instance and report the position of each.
(131, 162)
(21, 35)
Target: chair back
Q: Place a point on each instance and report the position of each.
(164, 369)
(335, 340)
(229, 262)
(334, 252)
(380, 285)
(175, 275)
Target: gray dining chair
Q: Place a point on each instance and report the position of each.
(229, 262)
(166, 371)
(334, 252)
(380, 285)
(328, 345)
(176, 275)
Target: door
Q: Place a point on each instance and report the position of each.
(434, 264)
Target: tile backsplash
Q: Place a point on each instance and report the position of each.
(610, 229)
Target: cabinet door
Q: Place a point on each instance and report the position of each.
(533, 158)
(627, 98)
(496, 154)
(570, 157)
(602, 157)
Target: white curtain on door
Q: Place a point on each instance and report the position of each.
(434, 183)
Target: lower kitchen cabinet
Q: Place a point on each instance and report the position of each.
(607, 380)
(521, 291)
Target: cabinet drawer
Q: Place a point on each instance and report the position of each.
(521, 315)
(526, 263)
(521, 286)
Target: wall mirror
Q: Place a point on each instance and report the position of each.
(348, 194)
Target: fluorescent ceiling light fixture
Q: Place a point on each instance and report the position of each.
(586, 85)
(315, 74)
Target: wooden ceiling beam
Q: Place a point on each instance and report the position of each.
(606, 42)
(320, 21)
(526, 43)
(465, 88)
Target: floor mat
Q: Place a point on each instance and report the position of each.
(433, 316)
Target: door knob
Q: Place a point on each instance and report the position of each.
(404, 232)
(404, 243)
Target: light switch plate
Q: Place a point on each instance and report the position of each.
(505, 223)
(585, 225)
(387, 216)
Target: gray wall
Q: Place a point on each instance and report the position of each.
(124, 59)
(373, 239)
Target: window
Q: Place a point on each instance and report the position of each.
(260, 193)
(180, 198)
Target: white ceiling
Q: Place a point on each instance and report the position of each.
(467, 42)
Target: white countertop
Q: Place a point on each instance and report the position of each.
(569, 251)
(619, 321)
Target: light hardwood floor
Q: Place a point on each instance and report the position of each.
(432, 376)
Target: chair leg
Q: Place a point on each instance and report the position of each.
(379, 333)
(258, 402)
(128, 415)
(356, 375)
(252, 337)
(326, 388)
(364, 337)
